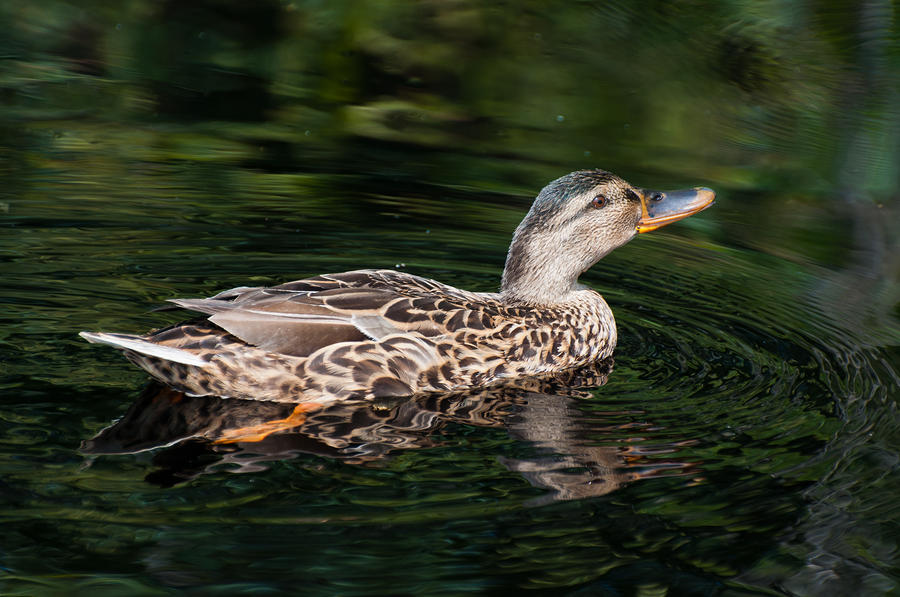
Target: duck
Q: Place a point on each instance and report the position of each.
(379, 333)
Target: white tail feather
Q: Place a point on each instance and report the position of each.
(139, 345)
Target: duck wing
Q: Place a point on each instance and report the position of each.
(301, 317)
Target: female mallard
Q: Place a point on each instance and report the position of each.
(375, 333)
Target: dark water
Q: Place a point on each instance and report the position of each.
(745, 440)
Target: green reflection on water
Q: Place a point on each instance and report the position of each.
(152, 150)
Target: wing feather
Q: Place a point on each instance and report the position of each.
(301, 317)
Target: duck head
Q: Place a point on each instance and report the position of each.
(578, 219)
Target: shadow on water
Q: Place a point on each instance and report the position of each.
(199, 435)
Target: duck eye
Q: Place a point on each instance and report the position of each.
(598, 201)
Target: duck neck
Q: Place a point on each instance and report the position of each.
(537, 273)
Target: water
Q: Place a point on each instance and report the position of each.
(744, 441)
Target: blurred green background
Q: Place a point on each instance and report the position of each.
(788, 109)
(159, 148)
(798, 95)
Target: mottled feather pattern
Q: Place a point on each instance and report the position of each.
(382, 333)
(441, 339)
(363, 430)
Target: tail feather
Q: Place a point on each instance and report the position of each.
(208, 306)
(141, 346)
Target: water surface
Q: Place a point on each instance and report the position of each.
(744, 441)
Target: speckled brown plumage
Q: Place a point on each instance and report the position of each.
(382, 333)
(419, 336)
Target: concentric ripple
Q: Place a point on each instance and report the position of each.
(740, 425)
(735, 369)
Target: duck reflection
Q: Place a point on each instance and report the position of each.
(201, 434)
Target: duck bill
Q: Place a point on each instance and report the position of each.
(659, 208)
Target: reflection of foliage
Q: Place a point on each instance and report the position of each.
(244, 105)
(159, 148)
(628, 86)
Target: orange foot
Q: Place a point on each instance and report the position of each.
(257, 433)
